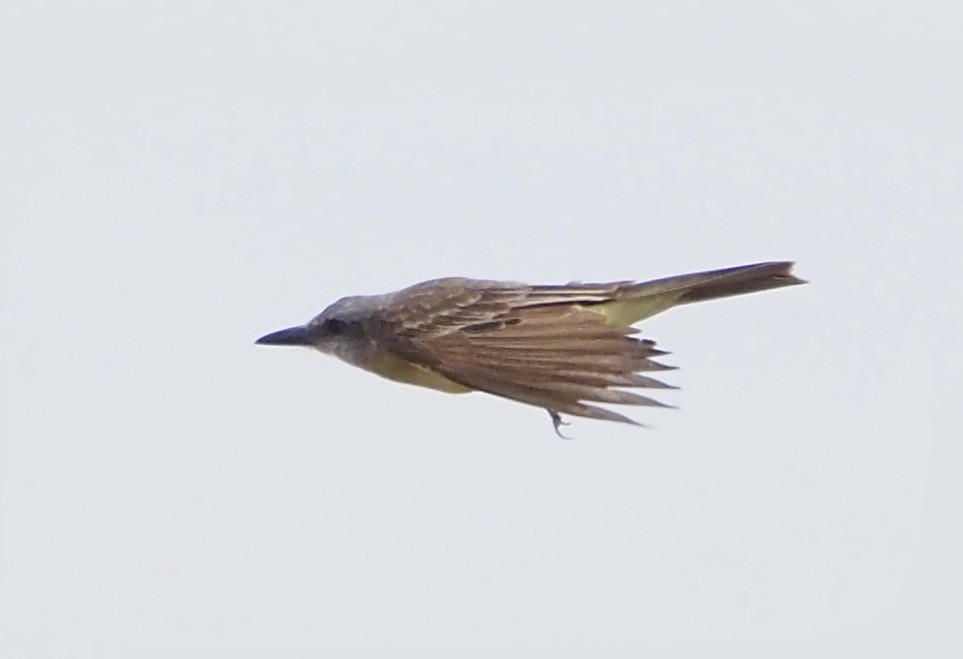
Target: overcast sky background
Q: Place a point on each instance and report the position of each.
(180, 178)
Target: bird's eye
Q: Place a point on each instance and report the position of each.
(334, 326)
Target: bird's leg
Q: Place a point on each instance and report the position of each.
(557, 421)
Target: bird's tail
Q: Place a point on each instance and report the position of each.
(638, 301)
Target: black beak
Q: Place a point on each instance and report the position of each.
(293, 336)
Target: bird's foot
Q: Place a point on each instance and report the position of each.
(557, 422)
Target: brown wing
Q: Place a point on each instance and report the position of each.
(535, 345)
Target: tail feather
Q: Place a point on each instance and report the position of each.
(635, 302)
(740, 280)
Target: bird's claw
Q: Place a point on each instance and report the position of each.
(557, 422)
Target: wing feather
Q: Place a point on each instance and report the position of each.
(536, 345)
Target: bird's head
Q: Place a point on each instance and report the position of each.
(331, 331)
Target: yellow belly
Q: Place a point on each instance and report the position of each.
(399, 370)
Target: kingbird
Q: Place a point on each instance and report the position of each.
(554, 347)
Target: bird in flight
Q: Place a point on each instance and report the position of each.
(555, 347)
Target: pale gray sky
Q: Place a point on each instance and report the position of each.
(182, 177)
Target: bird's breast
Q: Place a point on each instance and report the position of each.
(394, 368)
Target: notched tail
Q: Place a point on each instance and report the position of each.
(738, 281)
(635, 302)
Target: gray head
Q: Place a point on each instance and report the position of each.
(330, 330)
